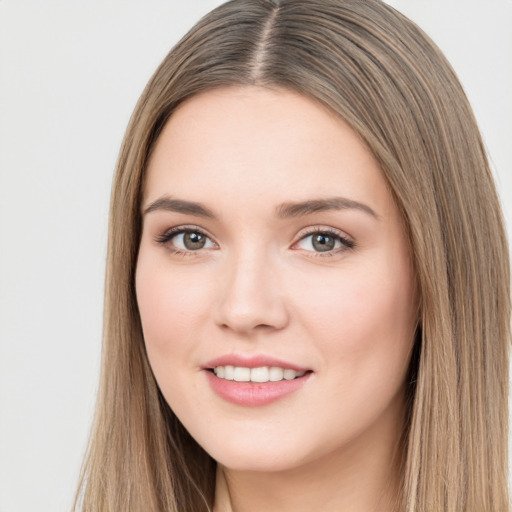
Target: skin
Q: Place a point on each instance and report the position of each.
(259, 286)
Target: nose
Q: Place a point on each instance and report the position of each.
(251, 297)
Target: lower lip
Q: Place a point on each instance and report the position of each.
(251, 394)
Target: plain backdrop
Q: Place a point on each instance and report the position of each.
(70, 74)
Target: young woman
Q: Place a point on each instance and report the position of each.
(307, 303)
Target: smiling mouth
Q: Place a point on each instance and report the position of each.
(257, 375)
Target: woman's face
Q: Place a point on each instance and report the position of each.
(273, 254)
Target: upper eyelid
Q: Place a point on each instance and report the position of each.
(323, 229)
(186, 229)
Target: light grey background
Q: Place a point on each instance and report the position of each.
(70, 74)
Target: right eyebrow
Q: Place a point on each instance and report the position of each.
(179, 206)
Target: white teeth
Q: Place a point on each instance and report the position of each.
(242, 374)
(275, 374)
(261, 374)
(289, 374)
(229, 372)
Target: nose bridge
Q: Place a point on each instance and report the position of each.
(251, 296)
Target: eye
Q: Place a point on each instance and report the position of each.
(324, 241)
(185, 240)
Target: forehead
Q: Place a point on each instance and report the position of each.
(247, 141)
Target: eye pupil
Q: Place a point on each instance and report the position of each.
(194, 241)
(323, 243)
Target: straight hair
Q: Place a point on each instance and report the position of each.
(382, 75)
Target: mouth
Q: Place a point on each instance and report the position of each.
(254, 381)
(258, 375)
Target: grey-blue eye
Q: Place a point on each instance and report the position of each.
(323, 241)
(187, 240)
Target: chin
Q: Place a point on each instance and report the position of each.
(260, 454)
(255, 462)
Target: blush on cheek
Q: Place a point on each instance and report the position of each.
(365, 319)
(345, 309)
(171, 304)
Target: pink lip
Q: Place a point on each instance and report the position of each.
(251, 394)
(255, 361)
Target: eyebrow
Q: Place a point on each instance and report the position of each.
(283, 211)
(298, 209)
(179, 206)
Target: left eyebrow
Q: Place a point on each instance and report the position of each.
(298, 209)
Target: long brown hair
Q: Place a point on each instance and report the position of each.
(381, 74)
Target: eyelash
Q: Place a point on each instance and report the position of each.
(166, 237)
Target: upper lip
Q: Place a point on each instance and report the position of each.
(252, 361)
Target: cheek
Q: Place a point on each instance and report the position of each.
(166, 296)
(364, 318)
(363, 326)
(171, 316)
(172, 311)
